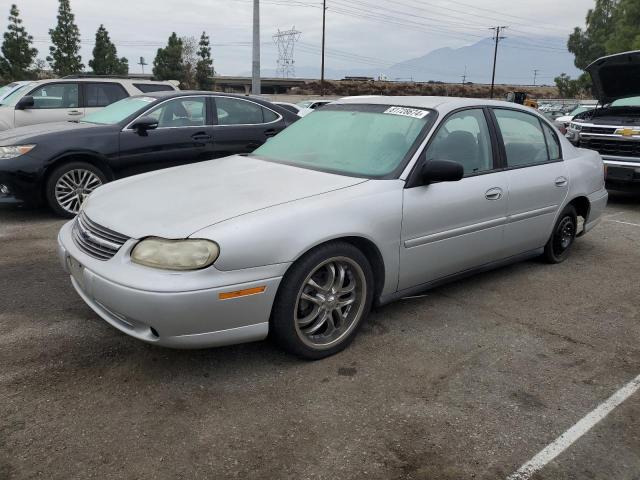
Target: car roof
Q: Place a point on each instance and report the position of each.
(73, 78)
(435, 103)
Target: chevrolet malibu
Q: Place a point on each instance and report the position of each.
(365, 201)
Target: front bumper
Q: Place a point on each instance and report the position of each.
(622, 173)
(194, 318)
(22, 177)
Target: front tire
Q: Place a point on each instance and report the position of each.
(69, 185)
(563, 236)
(322, 301)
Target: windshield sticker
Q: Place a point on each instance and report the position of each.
(407, 112)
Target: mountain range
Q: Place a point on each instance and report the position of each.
(517, 60)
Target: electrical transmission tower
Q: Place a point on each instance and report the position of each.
(286, 41)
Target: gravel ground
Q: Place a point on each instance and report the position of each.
(469, 381)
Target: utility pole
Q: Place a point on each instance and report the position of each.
(535, 76)
(464, 76)
(142, 63)
(324, 14)
(255, 64)
(495, 54)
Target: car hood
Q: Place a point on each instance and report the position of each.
(19, 135)
(176, 202)
(564, 118)
(616, 76)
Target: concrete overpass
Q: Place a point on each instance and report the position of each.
(269, 85)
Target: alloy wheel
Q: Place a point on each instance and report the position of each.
(330, 302)
(73, 187)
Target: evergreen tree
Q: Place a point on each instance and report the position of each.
(168, 63)
(204, 67)
(17, 52)
(64, 54)
(105, 57)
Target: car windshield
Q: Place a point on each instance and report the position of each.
(118, 111)
(580, 109)
(626, 102)
(13, 98)
(7, 88)
(352, 139)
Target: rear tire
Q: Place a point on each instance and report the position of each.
(563, 236)
(69, 184)
(322, 301)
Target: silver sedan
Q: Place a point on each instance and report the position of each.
(363, 202)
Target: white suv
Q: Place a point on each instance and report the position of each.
(69, 98)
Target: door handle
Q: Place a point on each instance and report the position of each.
(561, 181)
(493, 194)
(201, 136)
(74, 112)
(270, 132)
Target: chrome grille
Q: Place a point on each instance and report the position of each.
(96, 240)
(609, 146)
(599, 130)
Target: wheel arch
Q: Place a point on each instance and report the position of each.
(583, 207)
(92, 158)
(368, 248)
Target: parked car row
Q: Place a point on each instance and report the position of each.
(62, 163)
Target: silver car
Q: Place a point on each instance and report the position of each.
(360, 203)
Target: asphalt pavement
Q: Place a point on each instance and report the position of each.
(469, 381)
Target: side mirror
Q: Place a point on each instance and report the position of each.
(143, 124)
(25, 102)
(441, 171)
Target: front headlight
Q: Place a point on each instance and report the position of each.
(13, 151)
(575, 126)
(189, 254)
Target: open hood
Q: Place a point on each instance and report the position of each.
(616, 76)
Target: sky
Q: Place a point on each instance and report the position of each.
(359, 33)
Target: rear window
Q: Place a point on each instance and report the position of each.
(153, 87)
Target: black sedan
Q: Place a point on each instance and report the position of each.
(61, 163)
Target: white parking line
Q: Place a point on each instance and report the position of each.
(574, 433)
(625, 223)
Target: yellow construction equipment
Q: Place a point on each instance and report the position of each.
(522, 98)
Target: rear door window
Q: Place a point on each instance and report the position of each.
(103, 94)
(234, 111)
(524, 139)
(153, 87)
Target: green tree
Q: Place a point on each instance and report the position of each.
(64, 54)
(168, 64)
(569, 88)
(17, 52)
(625, 35)
(589, 44)
(105, 57)
(204, 67)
